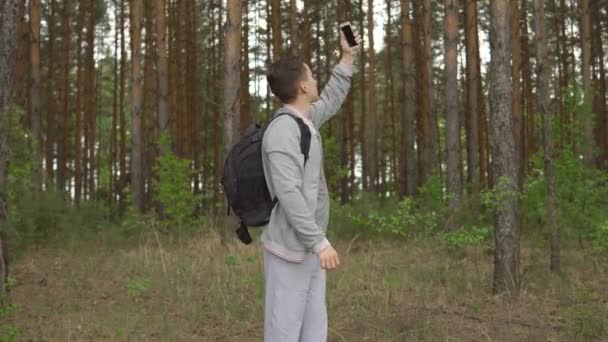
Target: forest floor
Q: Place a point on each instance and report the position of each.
(160, 288)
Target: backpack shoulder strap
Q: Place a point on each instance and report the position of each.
(304, 131)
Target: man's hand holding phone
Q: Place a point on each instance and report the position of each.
(348, 49)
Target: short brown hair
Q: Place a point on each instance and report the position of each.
(283, 77)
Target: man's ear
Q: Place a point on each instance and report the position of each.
(303, 86)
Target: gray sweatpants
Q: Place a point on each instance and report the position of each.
(295, 309)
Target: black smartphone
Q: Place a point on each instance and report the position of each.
(348, 33)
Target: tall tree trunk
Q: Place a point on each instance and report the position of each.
(50, 99)
(365, 170)
(472, 100)
(91, 91)
(371, 134)
(35, 104)
(149, 104)
(529, 124)
(518, 119)
(602, 111)
(113, 140)
(599, 101)
(231, 83)
(162, 69)
(506, 255)
(9, 10)
(453, 175)
(293, 26)
(136, 104)
(585, 31)
(542, 74)
(390, 101)
(79, 108)
(409, 174)
(217, 148)
(123, 120)
(306, 36)
(62, 141)
(245, 119)
(277, 38)
(21, 75)
(427, 156)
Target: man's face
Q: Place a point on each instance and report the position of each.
(309, 86)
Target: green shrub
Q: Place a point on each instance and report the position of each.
(172, 187)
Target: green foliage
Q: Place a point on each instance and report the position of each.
(410, 217)
(581, 193)
(137, 287)
(331, 152)
(8, 332)
(466, 236)
(172, 188)
(600, 239)
(586, 318)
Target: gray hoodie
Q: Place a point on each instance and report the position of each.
(298, 222)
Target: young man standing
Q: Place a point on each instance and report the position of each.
(296, 251)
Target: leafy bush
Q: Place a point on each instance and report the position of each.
(172, 189)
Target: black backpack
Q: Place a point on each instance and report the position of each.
(243, 177)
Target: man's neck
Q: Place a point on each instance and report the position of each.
(302, 108)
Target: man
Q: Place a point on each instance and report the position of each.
(296, 251)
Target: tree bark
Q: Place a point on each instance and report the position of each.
(518, 119)
(543, 97)
(370, 115)
(293, 25)
(91, 111)
(245, 119)
(409, 174)
(136, 104)
(277, 38)
(231, 85)
(123, 120)
(162, 69)
(506, 255)
(453, 175)
(35, 101)
(530, 107)
(472, 100)
(9, 10)
(50, 99)
(62, 142)
(585, 31)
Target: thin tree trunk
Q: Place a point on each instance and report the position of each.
(389, 101)
(123, 120)
(425, 139)
(365, 173)
(409, 175)
(518, 119)
(21, 75)
(79, 107)
(63, 129)
(162, 69)
(472, 100)
(245, 119)
(293, 25)
(91, 112)
(9, 10)
(585, 31)
(306, 38)
(113, 140)
(136, 104)
(530, 124)
(542, 74)
(453, 175)
(35, 105)
(231, 84)
(506, 255)
(50, 99)
(277, 39)
(370, 115)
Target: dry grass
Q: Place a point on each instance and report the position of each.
(195, 289)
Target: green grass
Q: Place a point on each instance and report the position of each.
(163, 288)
